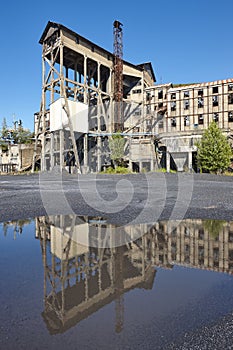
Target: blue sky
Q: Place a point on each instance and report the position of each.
(186, 41)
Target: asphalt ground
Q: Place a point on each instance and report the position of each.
(123, 199)
(119, 198)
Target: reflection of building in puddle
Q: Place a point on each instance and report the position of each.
(80, 279)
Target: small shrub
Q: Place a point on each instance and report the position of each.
(117, 170)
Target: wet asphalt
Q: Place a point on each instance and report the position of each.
(123, 199)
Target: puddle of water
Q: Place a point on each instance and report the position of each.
(60, 289)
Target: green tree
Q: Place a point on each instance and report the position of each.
(22, 135)
(17, 135)
(213, 151)
(4, 130)
(117, 148)
(214, 227)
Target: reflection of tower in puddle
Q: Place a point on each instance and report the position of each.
(79, 279)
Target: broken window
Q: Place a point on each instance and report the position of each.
(137, 111)
(187, 233)
(200, 119)
(186, 104)
(230, 117)
(200, 92)
(173, 122)
(200, 102)
(138, 91)
(161, 124)
(230, 87)
(160, 94)
(186, 94)
(230, 237)
(215, 90)
(215, 101)
(215, 117)
(186, 120)
(201, 233)
(173, 106)
(230, 99)
(148, 109)
(173, 96)
(160, 105)
(148, 97)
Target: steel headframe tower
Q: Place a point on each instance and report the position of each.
(118, 76)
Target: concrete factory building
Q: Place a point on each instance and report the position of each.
(89, 93)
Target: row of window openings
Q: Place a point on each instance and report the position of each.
(200, 102)
(186, 93)
(200, 92)
(201, 119)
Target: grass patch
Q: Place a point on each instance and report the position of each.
(117, 170)
(163, 170)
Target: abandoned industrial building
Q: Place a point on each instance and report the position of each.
(90, 94)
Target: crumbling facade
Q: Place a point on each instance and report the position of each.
(16, 157)
(186, 111)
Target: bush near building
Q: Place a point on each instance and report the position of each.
(214, 152)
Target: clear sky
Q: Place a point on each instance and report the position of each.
(186, 41)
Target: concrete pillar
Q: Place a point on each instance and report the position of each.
(98, 122)
(43, 117)
(153, 155)
(85, 160)
(61, 133)
(51, 150)
(206, 249)
(98, 153)
(221, 249)
(168, 162)
(85, 79)
(130, 155)
(190, 161)
(98, 75)
(52, 82)
(99, 99)
(143, 103)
